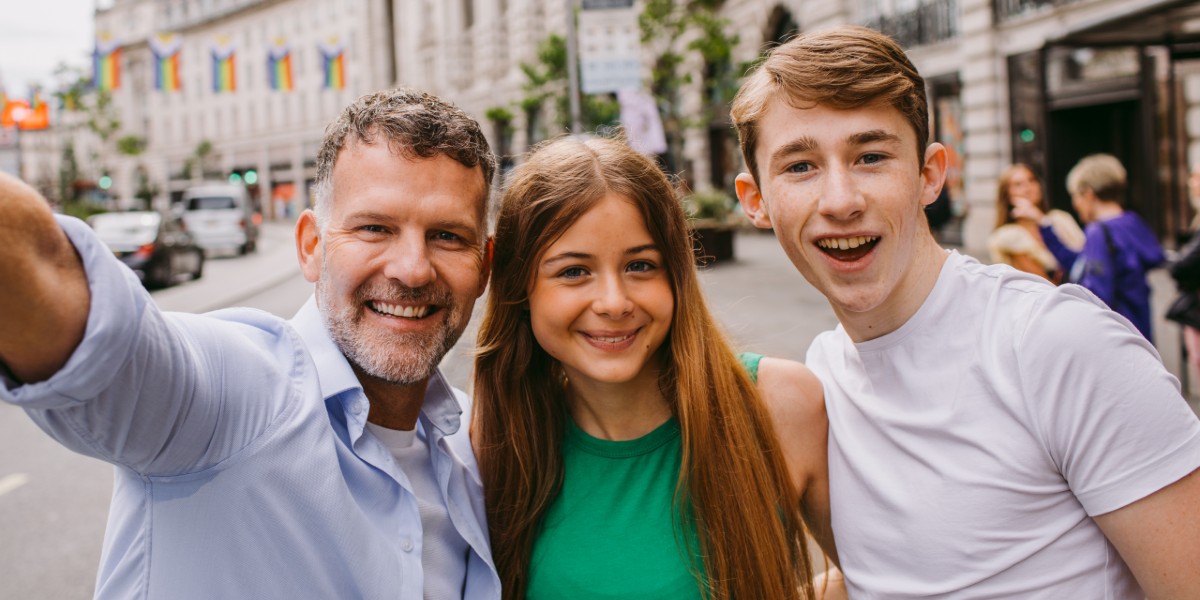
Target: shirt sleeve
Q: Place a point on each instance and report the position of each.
(159, 393)
(1109, 413)
(1063, 254)
(1099, 274)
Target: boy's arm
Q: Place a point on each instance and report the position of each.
(45, 303)
(1159, 538)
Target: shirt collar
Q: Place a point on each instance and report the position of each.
(440, 408)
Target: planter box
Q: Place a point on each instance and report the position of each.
(712, 242)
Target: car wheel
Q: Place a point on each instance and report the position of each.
(159, 276)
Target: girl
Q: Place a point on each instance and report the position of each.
(625, 450)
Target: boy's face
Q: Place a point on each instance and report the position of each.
(844, 191)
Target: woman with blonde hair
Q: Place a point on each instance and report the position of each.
(1017, 241)
(625, 450)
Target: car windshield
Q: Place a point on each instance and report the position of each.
(210, 203)
(131, 228)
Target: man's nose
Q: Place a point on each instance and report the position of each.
(409, 262)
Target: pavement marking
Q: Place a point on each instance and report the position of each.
(12, 482)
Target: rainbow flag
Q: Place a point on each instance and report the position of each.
(106, 63)
(332, 55)
(279, 66)
(165, 47)
(223, 54)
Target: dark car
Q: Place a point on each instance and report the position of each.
(156, 247)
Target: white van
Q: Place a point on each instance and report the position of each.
(221, 216)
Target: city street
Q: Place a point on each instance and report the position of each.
(53, 503)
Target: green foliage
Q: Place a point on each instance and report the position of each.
(82, 210)
(713, 204)
(547, 79)
(665, 25)
(498, 114)
(68, 173)
(131, 145)
(102, 117)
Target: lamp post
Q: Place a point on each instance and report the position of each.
(18, 115)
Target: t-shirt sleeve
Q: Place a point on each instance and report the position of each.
(158, 393)
(1110, 415)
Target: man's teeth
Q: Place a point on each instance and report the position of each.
(411, 312)
(845, 243)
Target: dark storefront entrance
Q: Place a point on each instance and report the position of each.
(1111, 88)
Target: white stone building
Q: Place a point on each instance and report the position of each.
(1037, 81)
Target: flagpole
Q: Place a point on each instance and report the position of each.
(573, 68)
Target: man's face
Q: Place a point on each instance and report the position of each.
(401, 261)
(844, 191)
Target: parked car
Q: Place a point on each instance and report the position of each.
(156, 247)
(221, 216)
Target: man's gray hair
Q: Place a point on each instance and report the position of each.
(414, 124)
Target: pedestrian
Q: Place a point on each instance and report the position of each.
(626, 451)
(1118, 247)
(321, 457)
(989, 435)
(1018, 242)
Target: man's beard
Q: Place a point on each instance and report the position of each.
(397, 358)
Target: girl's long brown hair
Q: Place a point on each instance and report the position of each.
(733, 482)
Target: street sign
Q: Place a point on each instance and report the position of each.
(609, 46)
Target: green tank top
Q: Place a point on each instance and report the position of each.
(613, 530)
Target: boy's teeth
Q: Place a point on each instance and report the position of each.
(845, 243)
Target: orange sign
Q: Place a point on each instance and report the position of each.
(17, 113)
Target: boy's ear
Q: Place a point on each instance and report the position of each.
(752, 201)
(933, 172)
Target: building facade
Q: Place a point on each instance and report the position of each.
(1043, 82)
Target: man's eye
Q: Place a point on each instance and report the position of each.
(446, 236)
(373, 228)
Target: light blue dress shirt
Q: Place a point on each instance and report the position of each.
(242, 466)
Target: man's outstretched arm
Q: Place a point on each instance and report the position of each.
(45, 300)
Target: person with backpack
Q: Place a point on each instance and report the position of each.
(1118, 249)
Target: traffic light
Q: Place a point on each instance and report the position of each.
(235, 177)
(251, 177)
(104, 182)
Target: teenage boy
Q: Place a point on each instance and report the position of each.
(991, 435)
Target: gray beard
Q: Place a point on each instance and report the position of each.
(400, 359)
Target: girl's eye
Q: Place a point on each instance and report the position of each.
(572, 273)
(641, 266)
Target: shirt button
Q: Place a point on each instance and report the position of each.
(356, 408)
(406, 545)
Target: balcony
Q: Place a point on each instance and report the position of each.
(1011, 9)
(931, 22)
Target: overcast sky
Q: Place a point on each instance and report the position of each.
(37, 35)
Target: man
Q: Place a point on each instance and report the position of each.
(322, 457)
(1118, 247)
(990, 435)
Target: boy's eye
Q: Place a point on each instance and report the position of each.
(799, 168)
(871, 159)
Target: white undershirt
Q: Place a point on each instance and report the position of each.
(443, 550)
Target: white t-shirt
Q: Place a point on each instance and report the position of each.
(969, 448)
(443, 549)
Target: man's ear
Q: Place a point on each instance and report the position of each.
(489, 247)
(752, 201)
(933, 173)
(308, 245)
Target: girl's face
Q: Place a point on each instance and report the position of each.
(1023, 184)
(601, 302)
